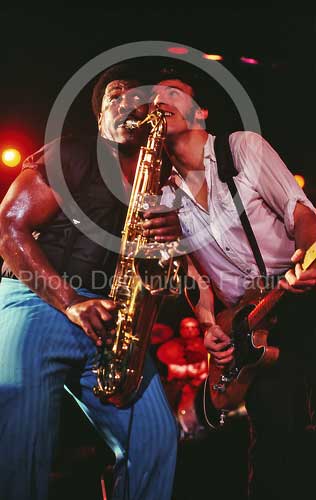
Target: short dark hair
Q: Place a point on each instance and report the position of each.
(200, 82)
(127, 70)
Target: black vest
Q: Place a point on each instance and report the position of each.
(72, 253)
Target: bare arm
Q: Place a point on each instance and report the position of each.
(215, 340)
(29, 204)
(297, 280)
(204, 309)
(304, 226)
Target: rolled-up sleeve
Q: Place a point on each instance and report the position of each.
(269, 176)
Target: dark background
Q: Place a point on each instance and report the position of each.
(41, 51)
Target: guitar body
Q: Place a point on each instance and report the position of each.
(234, 392)
(229, 384)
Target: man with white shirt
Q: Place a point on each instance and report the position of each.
(283, 221)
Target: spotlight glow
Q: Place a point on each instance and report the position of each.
(213, 57)
(178, 50)
(11, 157)
(249, 60)
(300, 180)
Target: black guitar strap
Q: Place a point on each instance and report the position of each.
(226, 172)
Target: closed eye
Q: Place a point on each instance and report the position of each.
(173, 92)
(112, 98)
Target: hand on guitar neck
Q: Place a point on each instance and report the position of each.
(302, 277)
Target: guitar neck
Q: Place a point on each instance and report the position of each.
(259, 313)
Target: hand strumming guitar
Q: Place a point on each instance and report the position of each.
(217, 343)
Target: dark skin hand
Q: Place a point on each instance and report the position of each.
(29, 204)
(162, 224)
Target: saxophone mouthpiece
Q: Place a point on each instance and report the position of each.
(131, 124)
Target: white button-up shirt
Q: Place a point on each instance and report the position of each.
(269, 193)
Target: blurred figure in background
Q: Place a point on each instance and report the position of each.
(186, 360)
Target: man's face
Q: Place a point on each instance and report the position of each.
(176, 99)
(189, 328)
(122, 100)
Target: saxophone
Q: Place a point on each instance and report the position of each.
(146, 272)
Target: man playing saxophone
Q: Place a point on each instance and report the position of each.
(54, 305)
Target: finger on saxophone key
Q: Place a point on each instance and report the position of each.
(146, 228)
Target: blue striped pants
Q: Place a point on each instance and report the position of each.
(40, 351)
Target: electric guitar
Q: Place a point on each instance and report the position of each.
(247, 325)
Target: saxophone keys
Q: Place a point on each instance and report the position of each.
(131, 338)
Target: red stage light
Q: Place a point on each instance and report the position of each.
(178, 50)
(249, 60)
(11, 157)
(213, 57)
(300, 180)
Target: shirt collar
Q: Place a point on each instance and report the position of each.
(209, 151)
